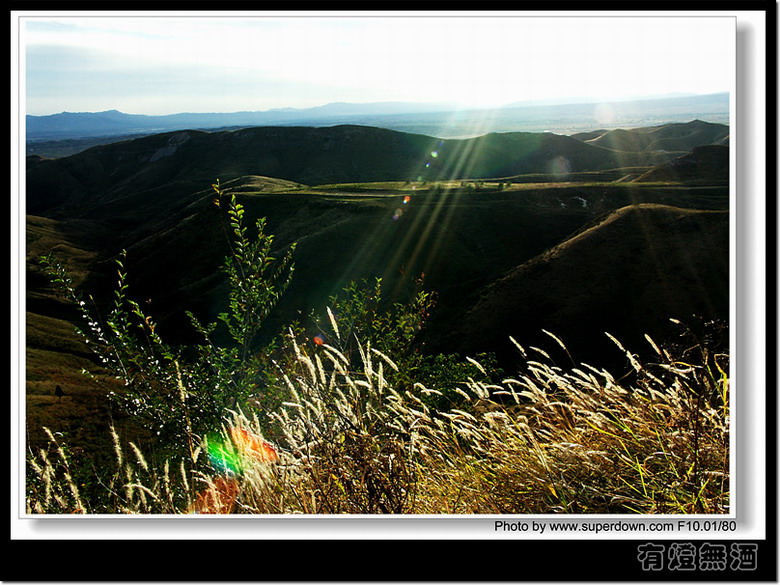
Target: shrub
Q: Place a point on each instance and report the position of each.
(362, 314)
(180, 393)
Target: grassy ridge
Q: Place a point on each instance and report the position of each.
(461, 239)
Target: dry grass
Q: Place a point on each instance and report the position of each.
(580, 442)
(345, 441)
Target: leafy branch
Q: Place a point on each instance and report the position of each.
(182, 393)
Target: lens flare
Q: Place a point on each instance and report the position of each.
(407, 199)
(398, 213)
(218, 498)
(224, 457)
(318, 340)
(560, 165)
(253, 445)
(604, 114)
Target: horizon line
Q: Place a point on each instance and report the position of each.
(452, 106)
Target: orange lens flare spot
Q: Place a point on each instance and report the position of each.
(218, 498)
(317, 340)
(253, 445)
(407, 199)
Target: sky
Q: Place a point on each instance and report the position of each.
(227, 62)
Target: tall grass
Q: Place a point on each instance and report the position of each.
(345, 441)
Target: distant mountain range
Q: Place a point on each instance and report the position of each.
(439, 120)
(69, 125)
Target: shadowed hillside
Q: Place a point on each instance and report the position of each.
(704, 164)
(626, 275)
(151, 197)
(461, 240)
(142, 176)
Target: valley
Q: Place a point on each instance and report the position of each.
(515, 233)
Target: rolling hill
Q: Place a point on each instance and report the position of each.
(704, 164)
(74, 125)
(153, 194)
(627, 275)
(514, 231)
(132, 173)
(667, 137)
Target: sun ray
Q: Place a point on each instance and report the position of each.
(459, 160)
